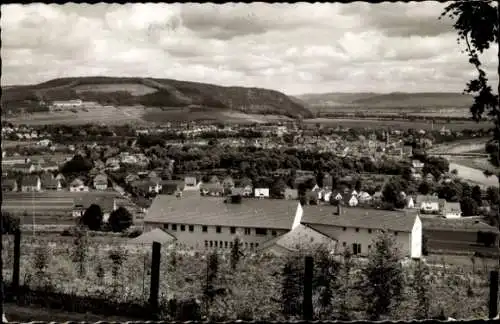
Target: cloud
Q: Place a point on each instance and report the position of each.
(295, 48)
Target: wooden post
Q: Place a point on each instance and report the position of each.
(493, 305)
(155, 278)
(17, 259)
(307, 306)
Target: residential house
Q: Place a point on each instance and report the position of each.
(429, 178)
(9, 185)
(417, 165)
(131, 178)
(291, 194)
(49, 182)
(261, 192)
(228, 184)
(312, 197)
(101, 182)
(350, 199)
(428, 204)
(246, 191)
(452, 210)
(211, 189)
(170, 187)
(31, 183)
(357, 229)
(60, 177)
(191, 183)
(78, 185)
(364, 197)
(107, 203)
(212, 222)
(299, 238)
(410, 203)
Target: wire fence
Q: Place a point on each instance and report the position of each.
(115, 270)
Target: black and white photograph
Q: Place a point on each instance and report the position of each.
(250, 161)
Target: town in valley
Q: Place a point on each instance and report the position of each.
(239, 181)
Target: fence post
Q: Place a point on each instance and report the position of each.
(307, 306)
(17, 262)
(155, 278)
(493, 307)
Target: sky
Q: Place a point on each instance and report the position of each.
(295, 48)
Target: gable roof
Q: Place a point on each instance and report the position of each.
(401, 221)
(156, 235)
(298, 238)
(30, 181)
(194, 209)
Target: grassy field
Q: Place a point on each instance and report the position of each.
(50, 207)
(254, 288)
(108, 115)
(397, 124)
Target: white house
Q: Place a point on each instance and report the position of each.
(261, 192)
(357, 228)
(428, 204)
(410, 203)
(31, 183)
(67, 103)
(77, 185)
(214, 222)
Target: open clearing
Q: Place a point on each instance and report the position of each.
(474, 175)
(397, 124)
(473, 145)
(106, 115)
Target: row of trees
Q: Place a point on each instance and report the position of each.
(381, 283)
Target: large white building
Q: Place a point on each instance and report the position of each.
(278, 225)
(358, 228)
(67, 103)
(204, 222)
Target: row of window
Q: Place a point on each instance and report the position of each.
(226, 244)
(218, 229)
(369, 231)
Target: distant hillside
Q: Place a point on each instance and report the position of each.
(150, 92)
(391, 100)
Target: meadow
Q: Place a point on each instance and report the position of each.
(252, 291)
(397, 124)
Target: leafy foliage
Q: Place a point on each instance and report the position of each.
(92, 217)
(120, 219)
(81, 250)
(421, 285)
(291, 291)
(383, 278)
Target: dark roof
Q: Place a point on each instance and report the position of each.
(193, 209)
(156, 235)
(30, 180)
(463, 224)
(401, 221)
(8, 183)
(300, 237)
